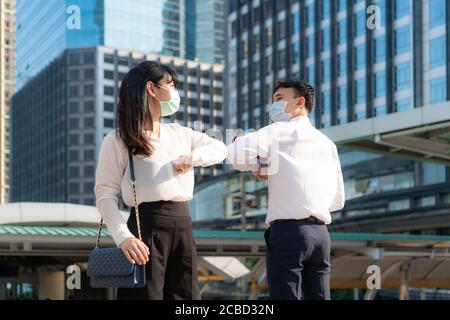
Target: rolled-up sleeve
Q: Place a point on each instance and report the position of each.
(339, 198)
(206, 151)
(244, 151)
(108, 176)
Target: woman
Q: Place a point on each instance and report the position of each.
(164, 156)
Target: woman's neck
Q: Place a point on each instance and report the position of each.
(154, 127)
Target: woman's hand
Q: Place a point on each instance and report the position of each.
(135, 250)
(183, 164)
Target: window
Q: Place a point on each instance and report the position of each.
(436, 12)
(360, 25)
(326, 70)
(109, 91)
(437, 52)
(88, 138)
(426, 201)
(88, 172)
(342, 5)
(360, 90)
(74, 91)
(88, 187)
(380, 84)
(74, 75)
(342, 29)
(310, 15)
(325, 9)
(89, 106)
(380, 49)
(438, 92)
(88, 155)
(74, 123)
(403, 76)
(342, 64)
(108, 58)
(325, 39)
(401, 8)
(89, 123)
(89, 58)
(402, 105)
(74, 187)
(402, 40)
(360, 52)
(88, 90)
(74, 139)
(108, 74)
(311, 74)
(89, 74)
(74, 172)
(343, 97)
(295, 52)
(108, 123)
(310, 44)
(295, 23)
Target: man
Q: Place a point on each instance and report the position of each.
(305, 184)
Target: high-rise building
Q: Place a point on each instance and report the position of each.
(46, 28)
(209, 32)
(7, 86)
(56, 136)
(381, 72)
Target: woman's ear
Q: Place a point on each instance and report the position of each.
(150, 89)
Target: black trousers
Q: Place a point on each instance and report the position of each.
(171, 272)
(298, 261)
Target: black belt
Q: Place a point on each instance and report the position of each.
(310, 219)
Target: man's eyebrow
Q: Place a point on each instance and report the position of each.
(277, 95)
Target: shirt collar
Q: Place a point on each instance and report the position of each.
(302, 119)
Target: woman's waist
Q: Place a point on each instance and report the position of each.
(163, 208)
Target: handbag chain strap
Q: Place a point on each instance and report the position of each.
(136, 207)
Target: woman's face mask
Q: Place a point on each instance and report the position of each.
(172, 105)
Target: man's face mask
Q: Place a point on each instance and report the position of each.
(277, 113)
(171, 106)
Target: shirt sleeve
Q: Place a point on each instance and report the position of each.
(206, 151)
(339, 198)
(108, 176)
(244, 151)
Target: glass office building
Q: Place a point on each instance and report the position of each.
(46, 28)
(365, 63)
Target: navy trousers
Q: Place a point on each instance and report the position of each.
(298, 261)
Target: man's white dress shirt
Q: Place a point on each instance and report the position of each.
(304, 172)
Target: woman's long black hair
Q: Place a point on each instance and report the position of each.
(133, 114)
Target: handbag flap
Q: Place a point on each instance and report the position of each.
(109, 262)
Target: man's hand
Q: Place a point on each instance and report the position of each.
(183, 164)
(259, 175)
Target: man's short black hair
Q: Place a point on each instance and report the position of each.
(301, 88)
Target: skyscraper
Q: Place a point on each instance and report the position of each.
(46, 28)
(7, 86)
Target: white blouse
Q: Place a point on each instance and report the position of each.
(156, 177)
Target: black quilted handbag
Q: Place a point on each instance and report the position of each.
(108, 267)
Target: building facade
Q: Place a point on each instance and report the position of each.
(57, 135)
(7, 86)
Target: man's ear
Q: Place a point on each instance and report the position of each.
(301, 102)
